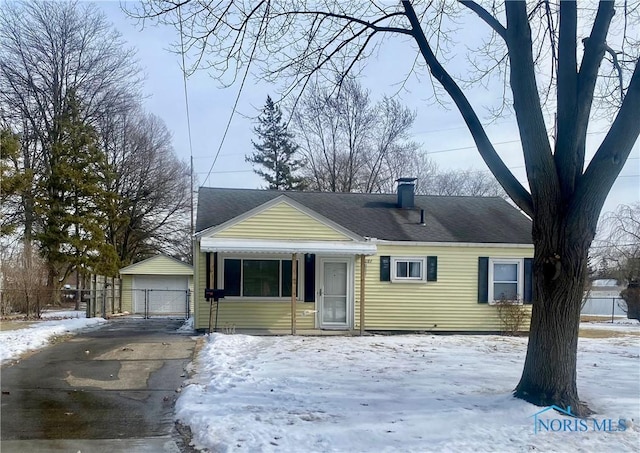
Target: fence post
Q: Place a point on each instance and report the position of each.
(188, 304)
(146, 304)
(613, 308)
(104, 301)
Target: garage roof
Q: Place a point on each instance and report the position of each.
(158, 265)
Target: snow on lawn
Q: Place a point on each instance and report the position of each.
(397, 393)
(37, 334)
(619, 325)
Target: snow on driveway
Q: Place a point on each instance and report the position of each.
(397, 394)
(38, 334)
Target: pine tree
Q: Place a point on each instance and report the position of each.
(275, 151)
(13, 180)
(71, 198)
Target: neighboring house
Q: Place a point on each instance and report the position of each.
(603, 299)
(160, 285)
(363, 261)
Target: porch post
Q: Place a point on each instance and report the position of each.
(362, 280)
(210, 264)
(294, 285)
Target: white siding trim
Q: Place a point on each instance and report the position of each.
(254, 246)
(452, 244)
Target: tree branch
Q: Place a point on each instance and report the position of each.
(486, 17)
(536, 150)
(566, 99)
(593, 187)
(511, 185)
(594, 48)
(616, 65)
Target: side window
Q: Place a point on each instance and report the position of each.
(505, 279)
(407, 269)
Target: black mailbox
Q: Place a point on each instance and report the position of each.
(215, 294)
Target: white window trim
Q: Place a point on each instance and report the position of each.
(423, 268)
(520, 289)
(300, 277)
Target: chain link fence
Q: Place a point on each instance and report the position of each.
(32, 303)
(158, 302)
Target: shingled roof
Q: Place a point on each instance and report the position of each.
(447, 219)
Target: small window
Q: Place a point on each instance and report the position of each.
(505, 279)
(407, 269)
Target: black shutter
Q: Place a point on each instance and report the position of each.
(432, 268)
(528, 280)
(385, 268)
(309, 277)
(483, 280)
(207, 267)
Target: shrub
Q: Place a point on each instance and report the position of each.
(513, 315)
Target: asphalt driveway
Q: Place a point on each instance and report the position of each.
(108, 389)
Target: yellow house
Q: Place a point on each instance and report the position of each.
(159, 285)
(311, 261)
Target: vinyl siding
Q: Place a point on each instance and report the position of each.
(282, 221)
(126, 294)
(246, 314)
(449, 304)
(158, 265)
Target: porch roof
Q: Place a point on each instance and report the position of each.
(287, 247)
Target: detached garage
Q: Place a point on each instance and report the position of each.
(158, 286)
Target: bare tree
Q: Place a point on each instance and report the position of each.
(24, 282)
(349, 143)
(617, 250)
(566, 193)
(47, 51)
(470, 182)
(150, 203)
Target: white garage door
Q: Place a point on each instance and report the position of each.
(165, 294)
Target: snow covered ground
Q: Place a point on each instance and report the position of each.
(400, 394)
(38, 334)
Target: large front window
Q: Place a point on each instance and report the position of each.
(257, 277)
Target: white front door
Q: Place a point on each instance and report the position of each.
(335, 297)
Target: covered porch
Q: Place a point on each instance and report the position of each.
(319, 286)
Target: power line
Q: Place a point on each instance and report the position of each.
(186, 104)
(235, 105)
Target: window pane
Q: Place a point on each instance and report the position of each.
(414, 269)
(261, 278)
(286, 278)
(401, 269)
(505, 291)
(505, 272)
(231, 277)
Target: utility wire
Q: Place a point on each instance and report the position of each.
(186, 104)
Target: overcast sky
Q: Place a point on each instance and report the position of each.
(441, 132)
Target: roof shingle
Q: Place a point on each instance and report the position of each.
(447, 219)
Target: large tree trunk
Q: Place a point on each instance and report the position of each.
(560, 269)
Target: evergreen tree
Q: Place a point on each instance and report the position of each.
(71, 198)
(13, 181)
(275, 151)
